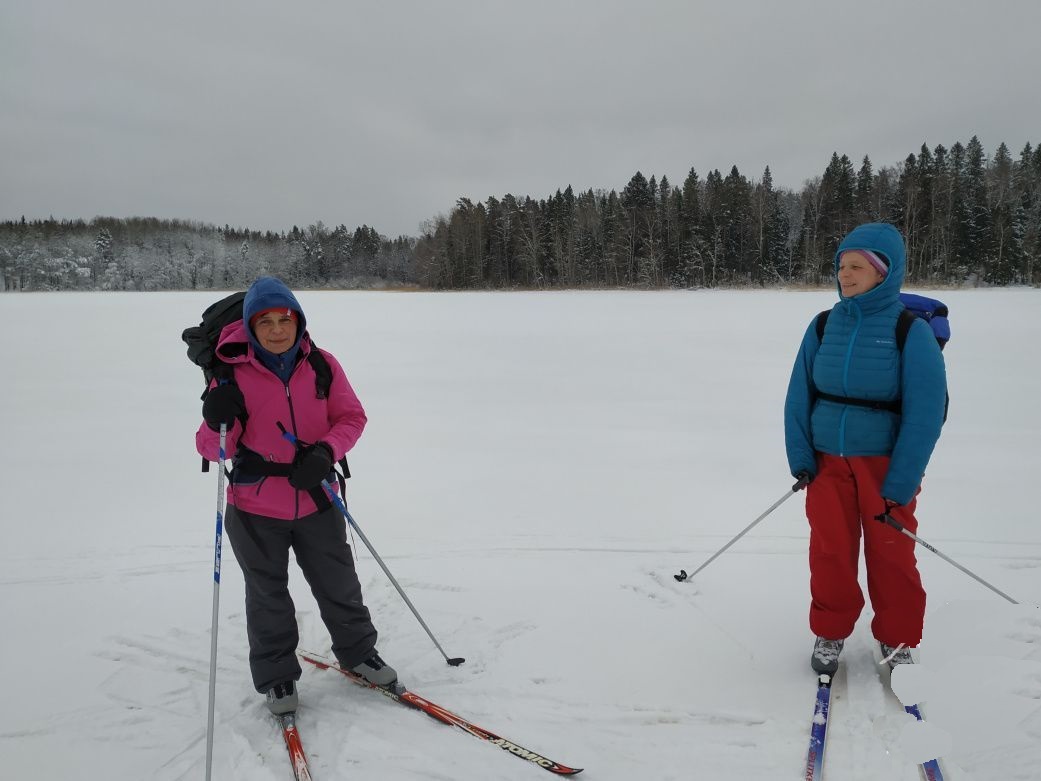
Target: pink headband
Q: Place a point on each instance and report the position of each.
(281, 310)
(875, 260)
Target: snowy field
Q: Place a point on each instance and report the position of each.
(536, 468)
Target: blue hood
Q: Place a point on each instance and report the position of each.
(268, 293)
(882, 239)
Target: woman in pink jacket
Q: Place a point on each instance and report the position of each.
(275, 495)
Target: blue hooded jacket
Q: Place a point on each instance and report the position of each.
(858, 358)
(269, 293)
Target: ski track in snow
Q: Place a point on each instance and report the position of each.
(535, 505)
(1027, 630)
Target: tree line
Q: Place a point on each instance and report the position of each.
(968, 219)
(151, 254)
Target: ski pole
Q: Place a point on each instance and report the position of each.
(889, 519)
(216, 601)
(803, 482)
(335, 499)
(454, 661)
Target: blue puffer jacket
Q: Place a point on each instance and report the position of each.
(858, 358)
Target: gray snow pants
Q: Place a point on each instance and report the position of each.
(319, 541)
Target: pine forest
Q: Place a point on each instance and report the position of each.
(969, 219)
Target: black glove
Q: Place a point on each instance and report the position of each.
(804, 478)
(223, 404)
(311, 466)
(886, 516)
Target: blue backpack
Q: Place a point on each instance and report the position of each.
(933, 311)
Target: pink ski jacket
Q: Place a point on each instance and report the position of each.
(337, 421)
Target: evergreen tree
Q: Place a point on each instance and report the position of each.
(960, 218)
(104, 272)
(1006, 222)
(863, 202)
(738, 242)
(691, 269)
(771, 232)
(939, 217)
(589, 244)
(1027, 186)
(716, 222)
(341, 253)
(667, 219)
(980, 238)
(637, 199)
(616, 241)
(507, 235)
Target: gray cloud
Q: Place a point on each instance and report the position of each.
(268, 114)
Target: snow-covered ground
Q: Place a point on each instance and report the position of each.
(536, 468)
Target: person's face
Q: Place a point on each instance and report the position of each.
(276, 331)
(856, 274)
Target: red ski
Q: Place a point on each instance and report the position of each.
(413, 700)
(287, 722)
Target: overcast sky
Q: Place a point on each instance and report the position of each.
(270, 114)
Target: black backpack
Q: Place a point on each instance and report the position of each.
(202, 349)
(202, 338)
(932, 311)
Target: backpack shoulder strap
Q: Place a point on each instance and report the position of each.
(821, 321)
(323, 373)
(323, 381)
(903, 325)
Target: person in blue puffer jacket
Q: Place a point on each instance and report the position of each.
(859, 460)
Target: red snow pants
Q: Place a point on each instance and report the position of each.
(843, 500)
